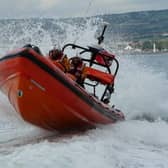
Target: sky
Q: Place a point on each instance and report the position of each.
(74, 8)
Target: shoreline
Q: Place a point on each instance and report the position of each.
(143, 53)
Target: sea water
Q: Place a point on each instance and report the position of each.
(140, 92)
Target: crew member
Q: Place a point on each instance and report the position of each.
(59, 59)
(77, 69)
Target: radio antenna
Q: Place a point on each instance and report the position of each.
(101, 37)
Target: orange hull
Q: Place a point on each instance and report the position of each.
(46, 97)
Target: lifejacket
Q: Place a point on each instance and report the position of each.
(61, 62)
(65, 63)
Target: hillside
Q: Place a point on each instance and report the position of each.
(140, 29)
(145, 25)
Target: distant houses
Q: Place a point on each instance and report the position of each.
(145, 46)
(133, 47)
(144, 31)
(165, 34)
(128, 48)
(150, 45)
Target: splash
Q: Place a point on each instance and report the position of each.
(141, 91)
(44, 33)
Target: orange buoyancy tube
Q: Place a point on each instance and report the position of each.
(97, 75)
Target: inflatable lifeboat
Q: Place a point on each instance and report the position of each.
(48, 94)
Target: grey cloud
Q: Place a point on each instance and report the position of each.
(70, 8)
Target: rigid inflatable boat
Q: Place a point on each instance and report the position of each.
(49, 97)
